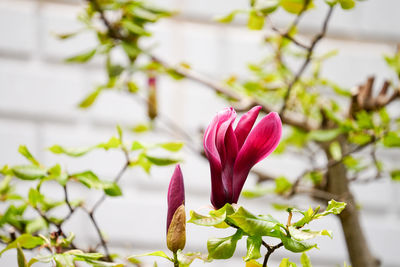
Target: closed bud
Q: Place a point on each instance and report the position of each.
(176, 218)
(176, 235)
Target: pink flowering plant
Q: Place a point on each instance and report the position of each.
(325, 122)
(232, 152)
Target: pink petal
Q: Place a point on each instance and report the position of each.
(231, 150)
(176, 193)
(245, 124)
(210, 148)
(260, 142)
(225, 119)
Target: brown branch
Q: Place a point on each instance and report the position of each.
(310, 51)
(244, 102)
(270, 250)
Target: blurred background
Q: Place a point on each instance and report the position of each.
(39, 95)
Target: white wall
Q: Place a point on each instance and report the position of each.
(39, 94)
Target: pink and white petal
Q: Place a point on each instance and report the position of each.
(245, 124)
(260, 142)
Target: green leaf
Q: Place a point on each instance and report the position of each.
(302, 234)
(130, 49)
(228, 18)
(132, 87)
(185, 259)
(35, 197)
(172, 146)
(161, 161)
(254, 225)
(112, 189)
(36, 225)
(294, 245)
(282, 185)
(156, 253)
(23, 150)
(253, 248)
(223, 248)
(134, 28)
(266, 6)
(72, 152)
(334, 207)
(347, 4)
(294, 6)
(286, 263)
(256, 20)
(395, 174)
(29, 172)
(24, 241)
(89, 179)
(89, 99)
(21, 258)
(305, 260)
(114, 142)
(202, 220)
(392, 139)
(257, 191)
(324, 135)
(81, 58)
(335, 150)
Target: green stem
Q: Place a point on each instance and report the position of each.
(176, 263)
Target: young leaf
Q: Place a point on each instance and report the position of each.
(161, 161)
(21, 258)
(324, 135)
(253, 248)
(256, 20)
(156, 253)
(253, 263)
(305, 260)
(228, 18)
(334, 207)
(294, 245)
(29, 172)
(254, 225)
(286, 263)
(23, 150)
(347, 4)
(395, 174)
(185, 259)
(81, 58)
(335, 150)
(172, 146)
(206, 220)
(301, 235)
(223, 248)
(72, 152)
(24, 241)
(89, 99)
(112, 189)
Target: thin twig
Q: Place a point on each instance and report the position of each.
(303, 67)
(270, 250)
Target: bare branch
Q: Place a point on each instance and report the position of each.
(310, 51)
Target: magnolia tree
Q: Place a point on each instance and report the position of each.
(336, 127)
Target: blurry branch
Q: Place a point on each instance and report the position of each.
(363, 99)
(244, 102)
(306, 62)
(92, 211)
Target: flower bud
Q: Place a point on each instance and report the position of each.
(176, 218)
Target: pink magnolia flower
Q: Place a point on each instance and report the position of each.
(176, 218)
(233, 152)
